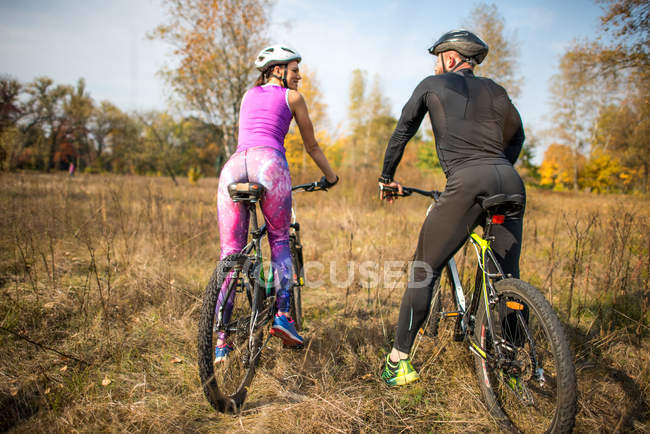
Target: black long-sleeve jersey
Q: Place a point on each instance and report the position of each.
(474, 122)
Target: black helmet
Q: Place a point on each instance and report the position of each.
(462, 41)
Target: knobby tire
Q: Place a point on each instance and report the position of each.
(225, 384)
(537, 406)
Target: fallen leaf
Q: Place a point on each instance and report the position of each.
(177, 360)
(49, 305)
(65, 368)
(367, 377)
(106, 381)
(13, 391)
(47, 391)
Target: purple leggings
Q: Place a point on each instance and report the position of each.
(268, 167)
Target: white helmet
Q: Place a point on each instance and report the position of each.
(276, 55)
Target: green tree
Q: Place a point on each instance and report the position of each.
(215, 43)
(501, 61)
(427, 157)
(527, 169)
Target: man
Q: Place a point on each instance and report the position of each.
(478, 135)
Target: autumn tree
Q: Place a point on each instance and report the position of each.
(557, 169)
(501, 62)
(116, 139)
(602, 172)
(9, 105)
(600, 93)
(10, 137)
(45, 119)
(626, 23)
(370, 123)
(576, 98)
(78, 109)
(296, 156)
(214, 44)
(623, 132)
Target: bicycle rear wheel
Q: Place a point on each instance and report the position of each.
(532, 386)
(298, 282)
(225, 383)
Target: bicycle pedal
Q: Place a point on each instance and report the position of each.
(293, 347)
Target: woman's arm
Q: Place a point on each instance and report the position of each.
(299, 109)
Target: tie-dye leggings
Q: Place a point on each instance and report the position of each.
(268, 167)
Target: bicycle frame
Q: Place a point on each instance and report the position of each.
(255, 244)
(484, 280)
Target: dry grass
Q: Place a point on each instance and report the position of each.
(101, 278)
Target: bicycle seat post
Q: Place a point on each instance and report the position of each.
(250, 193)
(253, 213)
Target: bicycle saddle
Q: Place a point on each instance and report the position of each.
(507, 204)
(245, 191)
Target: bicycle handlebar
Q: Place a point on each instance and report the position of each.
(408, 191)
(312, 186)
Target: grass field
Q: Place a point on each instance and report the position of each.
(101, 279)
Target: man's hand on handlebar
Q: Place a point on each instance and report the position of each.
(391, 191)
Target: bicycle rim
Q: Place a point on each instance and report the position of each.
(534, 390)
(225, 382)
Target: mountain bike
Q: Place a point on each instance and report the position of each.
(241, 279)
(521, 355)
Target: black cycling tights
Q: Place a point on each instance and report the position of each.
(445, 230)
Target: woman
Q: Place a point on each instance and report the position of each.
(265, 115)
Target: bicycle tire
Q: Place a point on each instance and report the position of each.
(225, 384)
(517, 400)
(298, 282)
(432, 323)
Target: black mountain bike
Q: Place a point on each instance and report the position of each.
(252, 292)
(522, 357)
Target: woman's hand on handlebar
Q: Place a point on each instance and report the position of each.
(326, 183)
(390, 192)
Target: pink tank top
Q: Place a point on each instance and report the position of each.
(264, 118)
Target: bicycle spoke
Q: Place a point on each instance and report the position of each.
(529, 381)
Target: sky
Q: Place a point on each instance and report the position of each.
(106, 43)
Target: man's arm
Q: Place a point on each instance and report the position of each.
(513, 135)
(408, 124)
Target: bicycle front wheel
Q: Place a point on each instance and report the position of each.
(225, 381)
(529, 384)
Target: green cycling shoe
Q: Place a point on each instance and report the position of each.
(399, 373)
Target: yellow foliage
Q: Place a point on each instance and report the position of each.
(194, 174)
(298, 159)
(602, 172)
(558, 166)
